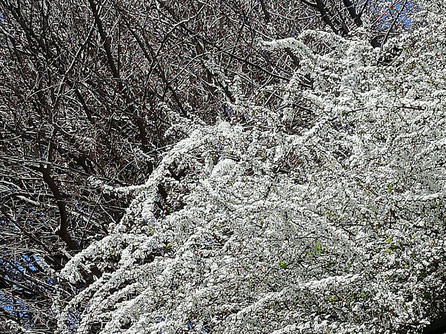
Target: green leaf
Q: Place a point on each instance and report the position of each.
(318, 247)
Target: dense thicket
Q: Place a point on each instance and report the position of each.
(312, 209)
(93, 93)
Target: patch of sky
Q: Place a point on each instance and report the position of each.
(391, 10)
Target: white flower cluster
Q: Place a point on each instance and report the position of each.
(335, 227)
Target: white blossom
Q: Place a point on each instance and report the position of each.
(336, 227)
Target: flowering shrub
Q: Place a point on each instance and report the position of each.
(323, 211)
